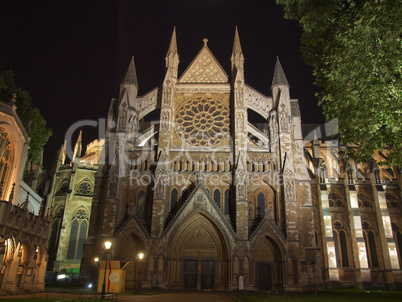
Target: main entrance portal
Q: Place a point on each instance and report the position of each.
(196, 256)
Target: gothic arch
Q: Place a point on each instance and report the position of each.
(127, 248)
(336, 199)
(198, 232)
(365, 200)
(129, 243)
(370, 234)
(268, 257)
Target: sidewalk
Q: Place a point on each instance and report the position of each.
(158, 296)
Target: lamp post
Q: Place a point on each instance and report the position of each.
(140, 257)
(108, 244)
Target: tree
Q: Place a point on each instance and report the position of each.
(27, 114)
(354, 47)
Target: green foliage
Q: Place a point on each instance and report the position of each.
(355, 49)
(39, 134)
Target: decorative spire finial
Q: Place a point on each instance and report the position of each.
(205, 42)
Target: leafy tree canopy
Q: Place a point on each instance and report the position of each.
(354, 47)
(39, 134)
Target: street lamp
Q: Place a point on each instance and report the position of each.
(140, 257)
(108, 244)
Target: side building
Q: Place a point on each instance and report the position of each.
(69, 201)
(24, 225)
(357, 214)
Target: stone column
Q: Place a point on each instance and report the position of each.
(356, 233)
(329, 239)
(388, 246)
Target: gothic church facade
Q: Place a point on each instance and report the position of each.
(213, 200)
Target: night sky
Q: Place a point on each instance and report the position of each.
(72, 55)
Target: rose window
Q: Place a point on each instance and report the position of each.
(202, 121)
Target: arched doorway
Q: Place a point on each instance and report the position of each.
(198, 256)
(268, 265)
(127, 249)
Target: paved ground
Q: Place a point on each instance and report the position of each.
(180, 297)
(159, 296)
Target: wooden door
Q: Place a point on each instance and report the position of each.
(264, 277)
(207, 275)
(190, 274)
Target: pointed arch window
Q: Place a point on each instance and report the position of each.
(371, 248)
(261, 205)
(78, 234)
(54, 238)
(341, 247)
(173, 198)
(6, 159)
(217, 197)
(184, 195)
(392, 201)
(141, 204)
(398, 240)
(227, 202)
(364, 201)
(335, 201)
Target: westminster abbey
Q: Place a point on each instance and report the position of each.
(217, 202)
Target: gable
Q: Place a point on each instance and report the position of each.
(204, 69)
(199, 202)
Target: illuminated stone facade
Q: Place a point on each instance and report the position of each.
(212, 198)
(24, 225)
(70, 202)
(357, 215)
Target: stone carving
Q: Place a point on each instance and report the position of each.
(283, 118)
(204, 70)
(289, 190)
(159, 190)
(239, 97)
(166, 95)
(200, 198)
(239, 121)
(165, 120)
(123, 116)
(113, 179)
(241, 191)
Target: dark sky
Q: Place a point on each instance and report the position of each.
(72, 55)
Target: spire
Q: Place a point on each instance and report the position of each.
(237, 54)
(172, 58)
(129, 87)
(131, 74)
(78, 147)
(279, 75)
(62, 153)
(173, 44)
(236, 43)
